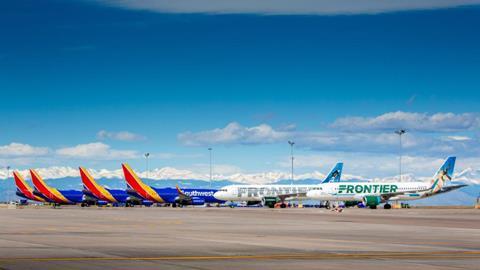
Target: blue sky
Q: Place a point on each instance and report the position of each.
(241, 79)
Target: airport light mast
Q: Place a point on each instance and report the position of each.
(210, 153)
(291, 154)
(147, 155)
(400, 132)
(8, 174)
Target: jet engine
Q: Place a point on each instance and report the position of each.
(102, 203)
(189, 201)
(372, 201)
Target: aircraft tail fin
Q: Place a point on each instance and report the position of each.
(444, 174)
(22, 186)
(25, 188)
(47, 191)
(91, 185)
(87, 179)
(335, 174)
(38, 182)
(134, 182)
(131, 177)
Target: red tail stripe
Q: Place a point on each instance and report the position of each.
(26, 190)
(134, 184)
(90, 186)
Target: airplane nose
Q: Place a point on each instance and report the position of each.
(311, 193)
(219, 195)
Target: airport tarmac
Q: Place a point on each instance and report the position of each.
(240, 238)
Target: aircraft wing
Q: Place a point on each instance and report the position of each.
(387, 196)
(284, 197)
(181, 195)
(450, 188)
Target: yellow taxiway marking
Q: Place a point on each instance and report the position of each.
(295, 256)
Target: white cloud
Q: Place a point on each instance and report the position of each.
(457, 138)
(285, 7)
(419, 122)
(371, 165)
(96, 151)
(119, 136)
(175, 156)
(22, 150)
(234, 133)
(332, 140)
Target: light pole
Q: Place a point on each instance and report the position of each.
(291, 154)
(210, 153)
(400, 132)
(146, 158)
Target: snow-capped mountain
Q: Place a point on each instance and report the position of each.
(68, 178)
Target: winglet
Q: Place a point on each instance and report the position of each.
(179, 190)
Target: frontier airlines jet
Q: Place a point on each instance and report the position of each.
(269, 195)
(373, 194)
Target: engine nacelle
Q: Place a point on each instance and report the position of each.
(372, 201)
(270, 201)
(147, 203)
(251, 203)
(190, 201)
(102, 203)
(23, 202)
(352, 203)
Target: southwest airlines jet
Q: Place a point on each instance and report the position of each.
(59, 196)
(192, 196)
(373, 194)
(106, 195)
(25, 191)
(269, 195)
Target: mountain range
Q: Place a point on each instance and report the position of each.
(113, 179)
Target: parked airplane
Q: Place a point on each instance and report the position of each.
(191, 196)
(114, 196)
(25, 191)
(373, 194)
(271, 194)
(60, 196)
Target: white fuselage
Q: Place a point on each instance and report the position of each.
(351, 191)
(251, 193)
